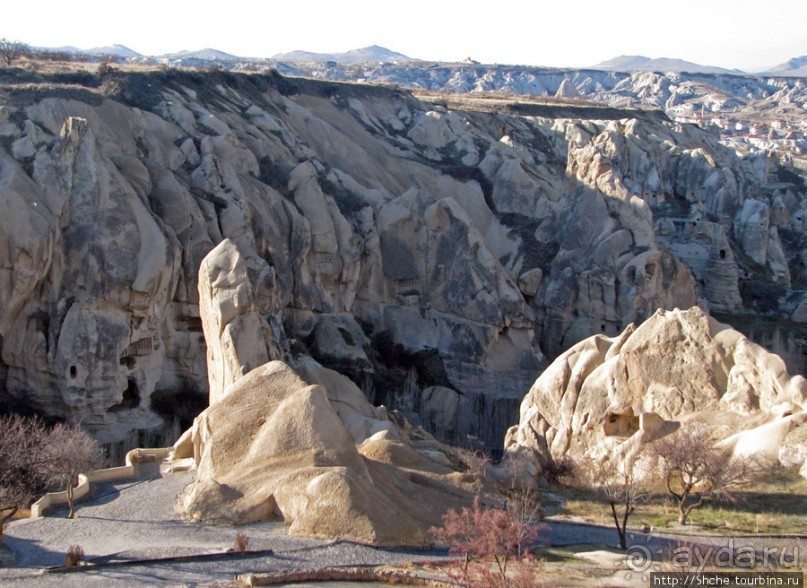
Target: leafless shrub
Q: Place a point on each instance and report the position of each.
(695, 470)
(475, 460)
(70, 452)
(487, 539)
(241, 542)
(620, 487)
(74, 556)
(33, 458)
(523, 506)
(11, 51)
(556, 470)
(105, 69)
(23, 464)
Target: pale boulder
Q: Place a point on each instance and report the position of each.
(530, 281)
(275, 446)
(607, 397)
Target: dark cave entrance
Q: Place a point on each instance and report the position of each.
(131, 397)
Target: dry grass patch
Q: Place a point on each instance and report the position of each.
(776, 504)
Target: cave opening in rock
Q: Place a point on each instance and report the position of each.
(131, 397)
(181, 404)
(73, 371)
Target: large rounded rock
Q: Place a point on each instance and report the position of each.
(277, 445)
(605, 397)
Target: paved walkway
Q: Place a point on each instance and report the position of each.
(138, 519)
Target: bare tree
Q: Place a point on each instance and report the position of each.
(621, 488)
(71, 452)
(523, 506)
(11, 51)
(695, 470)
(23, 464)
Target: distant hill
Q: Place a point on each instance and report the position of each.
(793, 67)
(363, 55)
(64, 49)
(207, 54)
(118, 50)
(642, 63)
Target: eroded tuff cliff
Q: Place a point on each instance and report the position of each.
(433, 256)
(606, 397)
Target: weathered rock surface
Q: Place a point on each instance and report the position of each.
(378, 233)
(605, 397)
(312, 451)
(238, 339)
(303, 444)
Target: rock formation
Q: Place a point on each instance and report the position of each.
(677, 92)
(605, 397)
(315, 454)
(303, 444)
(238, 339)
(436, 257)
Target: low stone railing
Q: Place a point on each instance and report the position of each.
(105, 475)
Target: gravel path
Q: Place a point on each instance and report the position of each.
(137, 519)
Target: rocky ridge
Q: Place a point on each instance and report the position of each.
(673, 91)
(434, 256)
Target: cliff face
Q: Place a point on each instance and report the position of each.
(433, 256)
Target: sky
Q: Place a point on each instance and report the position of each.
(742, 34)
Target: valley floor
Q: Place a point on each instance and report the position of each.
(137, 520)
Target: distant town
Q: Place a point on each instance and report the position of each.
(783, 135)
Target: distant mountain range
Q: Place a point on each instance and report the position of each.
(116, 50)
(374, 53)
(665, 64)
(119, 50)
(796, 67)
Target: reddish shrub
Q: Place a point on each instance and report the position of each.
(487, 539)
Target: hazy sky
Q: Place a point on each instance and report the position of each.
(727, 33)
